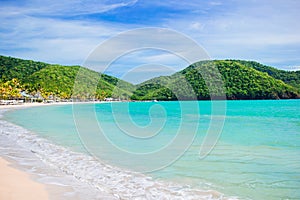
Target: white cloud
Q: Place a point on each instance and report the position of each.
(197, 26)
(141, 73)
(53, 40)
(255, 30)
(291, 68)
(64, 8)
(215, 3)
(30, 31)
(136, 47)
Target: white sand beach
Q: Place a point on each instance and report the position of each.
(17, 185)
(20, 179)
(14, 183)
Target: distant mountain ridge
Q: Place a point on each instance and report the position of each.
(242, 80)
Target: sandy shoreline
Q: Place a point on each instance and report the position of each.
(27, 105)
(17, 185)
(76, 176)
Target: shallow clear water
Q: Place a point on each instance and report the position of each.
(257, 155)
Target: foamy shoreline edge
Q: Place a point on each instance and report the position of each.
(15, 183)
(169, 188)
(33, 185)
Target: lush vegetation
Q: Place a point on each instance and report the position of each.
(20, 69)
(240, 81)
(10, 89)
(56, 81)
(290, 77)
(59, 81)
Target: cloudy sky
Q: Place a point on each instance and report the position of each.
(66, 32)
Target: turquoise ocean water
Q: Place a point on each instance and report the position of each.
(256, 157)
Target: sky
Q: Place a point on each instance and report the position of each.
(67, 32)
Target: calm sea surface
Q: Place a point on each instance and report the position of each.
(257, 155)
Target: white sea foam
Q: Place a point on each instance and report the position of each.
(94, 180)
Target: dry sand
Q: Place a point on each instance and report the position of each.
(17, 185)
(24, 105)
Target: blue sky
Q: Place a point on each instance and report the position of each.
(66, 32)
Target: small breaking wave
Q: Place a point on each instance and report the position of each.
(119, 183)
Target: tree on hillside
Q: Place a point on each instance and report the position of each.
(11, 89)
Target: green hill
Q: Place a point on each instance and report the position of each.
(58, 81)
(18, 68)
(290, 77)
(241, 82)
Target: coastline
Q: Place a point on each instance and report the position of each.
(16, 184)
(25, 170)
(70, 175)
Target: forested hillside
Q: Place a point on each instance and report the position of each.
(18, 68)
(290, 77)
(57, 81)
(240, 81)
